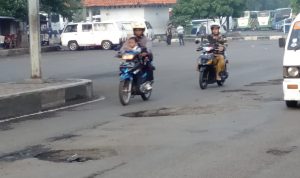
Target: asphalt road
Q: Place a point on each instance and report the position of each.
(240, 130)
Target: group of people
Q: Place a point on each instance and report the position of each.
(179, 31)
(140, 44)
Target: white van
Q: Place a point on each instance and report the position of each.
(104, 34)
(127, 26)
(291, 64)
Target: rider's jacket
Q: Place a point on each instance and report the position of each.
(216, 41)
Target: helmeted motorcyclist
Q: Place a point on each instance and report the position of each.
(145, 44)
(217, 40)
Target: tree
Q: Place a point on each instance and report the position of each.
(66, 8)
(187, 10)
(14, 8)
(18, 8)
(296, 6)
(259, 5)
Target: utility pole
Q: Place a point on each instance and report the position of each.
(35, 44)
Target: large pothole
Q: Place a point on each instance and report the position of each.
(69, 156)
(162, 112)
(65, 156)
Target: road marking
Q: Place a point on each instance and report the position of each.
(53, 110)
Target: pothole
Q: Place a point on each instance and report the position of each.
(62, 137)
(163, 112)
(64, 156)
(281, 152)
(274, 99)
(70, 156)
(28, 152)
(268, 83)
(236, 91)
(251, 94)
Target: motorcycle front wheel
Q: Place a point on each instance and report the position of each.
(146, 96)
(125, 88)
(203, 79)
(220, 83)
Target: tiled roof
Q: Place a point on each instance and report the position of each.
(108, 3)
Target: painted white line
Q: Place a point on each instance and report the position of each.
(52, 110)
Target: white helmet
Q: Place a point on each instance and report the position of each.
(215, 25)
(138, 25)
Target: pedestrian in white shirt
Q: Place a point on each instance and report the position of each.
(180, 32)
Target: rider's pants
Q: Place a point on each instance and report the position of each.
(219, 63)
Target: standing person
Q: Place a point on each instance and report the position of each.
(180, 32)
(169, 34)
(201, 32)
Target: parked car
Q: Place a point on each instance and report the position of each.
(127, 26)
(105, 34)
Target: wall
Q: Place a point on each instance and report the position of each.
(158, 17)
(121, 13)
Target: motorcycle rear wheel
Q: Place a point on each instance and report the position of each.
(125, 89)
(203, 79)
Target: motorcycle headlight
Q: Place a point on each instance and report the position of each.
(291, 72)
(128, 57)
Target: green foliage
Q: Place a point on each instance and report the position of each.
(66, 8)
(266, 4)
(14, 8)
(187, 10)
(18, 8)
(296, 6)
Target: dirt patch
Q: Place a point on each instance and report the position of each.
(70, 156)
(267, 83)
(236, 91)
(163, 112)
(281, 152)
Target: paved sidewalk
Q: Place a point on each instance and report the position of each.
(27, 97)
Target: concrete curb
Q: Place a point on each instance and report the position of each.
(246, 38)
(34, 101)
(21, 51)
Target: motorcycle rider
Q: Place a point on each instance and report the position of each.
(146, 45)
(216, 39)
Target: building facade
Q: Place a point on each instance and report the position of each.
(154, 11)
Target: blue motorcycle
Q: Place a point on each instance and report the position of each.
(133, 78)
